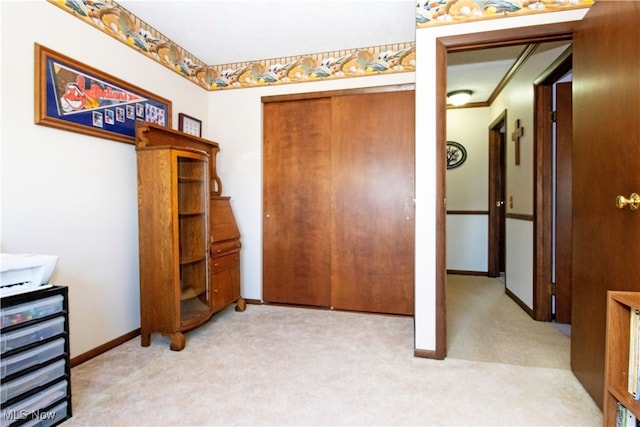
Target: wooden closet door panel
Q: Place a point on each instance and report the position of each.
(297, 208)
(373, 191)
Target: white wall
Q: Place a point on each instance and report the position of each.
(467, 189)
(519, 259)
(426, 227)
(517, 99)
(467, 185)
(467, 243)
(72, 195)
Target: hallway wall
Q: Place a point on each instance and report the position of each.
(467, 191)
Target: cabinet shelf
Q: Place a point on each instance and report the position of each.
(620, 306)
(623, 396)
(188, 179)
(189, 292)
(192, 259)
(630, 299)
(190, 213)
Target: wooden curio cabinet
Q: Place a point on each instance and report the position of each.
(187, 272)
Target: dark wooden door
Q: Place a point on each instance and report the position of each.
(297, 202)
(497, 184)
(373, 191)
(606, 163)
(564, 226)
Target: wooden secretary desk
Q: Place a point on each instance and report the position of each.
(189, 241)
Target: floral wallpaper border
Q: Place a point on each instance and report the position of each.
(114, 20)
(438, 12)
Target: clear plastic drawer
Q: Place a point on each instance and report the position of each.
(30, 310)
(42, 376)
(32, 357)
(48, 418)
(38, 332)
(31, 407)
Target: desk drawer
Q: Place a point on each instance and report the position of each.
(223, 248)
(224, 262)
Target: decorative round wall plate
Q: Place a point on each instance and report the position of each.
(456, 154)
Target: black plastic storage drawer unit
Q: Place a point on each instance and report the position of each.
(35, 374)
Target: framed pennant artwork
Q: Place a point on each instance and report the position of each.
(78, 98)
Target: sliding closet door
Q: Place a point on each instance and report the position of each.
(297, 202)
(373, 143)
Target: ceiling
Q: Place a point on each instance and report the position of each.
(229, 31)
(221, 32)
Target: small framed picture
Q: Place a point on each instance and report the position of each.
(190, 125)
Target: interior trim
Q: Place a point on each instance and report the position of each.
(426, 354)
(75, 361)
(441, 202)
(462, 212)
(518, 301)
(522, 217)
(522, 59)
(543, 181)
(468, 272)
(337, 92)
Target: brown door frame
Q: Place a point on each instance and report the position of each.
(496, 195)
(563, 231)
(487, 39)
(543, 193)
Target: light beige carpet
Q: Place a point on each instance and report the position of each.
(484, 324)
(292, 366)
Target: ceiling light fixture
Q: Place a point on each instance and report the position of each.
(459, 97)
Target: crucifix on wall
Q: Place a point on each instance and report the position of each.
(515, 137)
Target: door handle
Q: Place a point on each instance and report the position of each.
(633, 202)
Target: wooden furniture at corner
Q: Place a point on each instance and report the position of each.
(620, 305)
(150, 135)
(188, 239)
(225, 255)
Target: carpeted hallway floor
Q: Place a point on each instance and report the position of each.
(484, 324)
(275, 365)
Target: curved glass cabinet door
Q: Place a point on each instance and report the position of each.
(192, 203)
